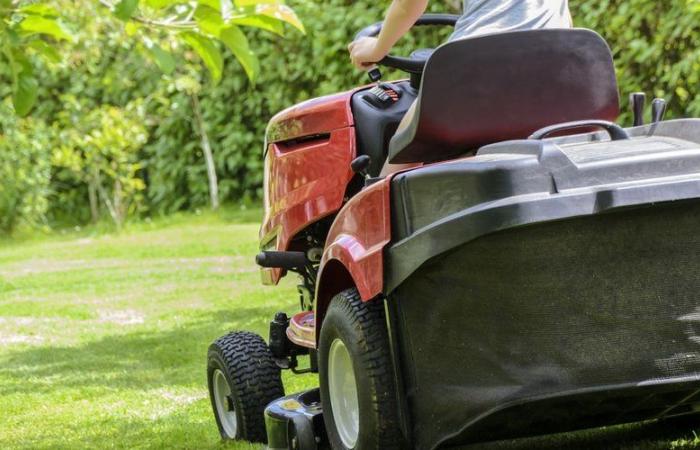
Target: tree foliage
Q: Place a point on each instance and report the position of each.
(99, 148)
(25, 171)
(30, 26)
(656, 45)
(121, 62)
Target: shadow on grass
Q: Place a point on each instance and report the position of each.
(152, 359)
(139, 359)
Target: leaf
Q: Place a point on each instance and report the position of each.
(131, 28)
(47, 51)
(158, 4)
(39, 9)
(213, 4)
(262, 22)
(208, 19)
(281, 12)
(21, 62)
(164, 60)
(244, 3)
(125, 9)
(24, 93)
(206, 49)
(44, 25)
(237, 42)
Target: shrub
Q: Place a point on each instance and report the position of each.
(25, 170)
(656, 46)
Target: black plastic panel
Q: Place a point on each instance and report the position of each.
(516, 183)
(554, 326)
(375, 126)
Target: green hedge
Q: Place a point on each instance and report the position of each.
(656, 46)
(24, 171)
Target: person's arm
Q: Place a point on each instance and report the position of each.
(400, 17)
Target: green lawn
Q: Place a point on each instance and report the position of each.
(103, 338)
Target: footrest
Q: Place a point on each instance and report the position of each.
(302, 329)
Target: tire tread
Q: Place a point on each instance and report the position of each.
(255, 375)
(368, 318)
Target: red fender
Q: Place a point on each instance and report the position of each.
(353, 253)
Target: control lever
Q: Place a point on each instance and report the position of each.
(658, 110)
(375, 75)
(360, 165)
(638, 101)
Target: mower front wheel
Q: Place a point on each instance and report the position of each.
(243, 379)
(357, 380)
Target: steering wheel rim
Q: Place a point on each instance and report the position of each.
(409, 65)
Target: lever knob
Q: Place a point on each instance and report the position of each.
(375, 75)
(361, 164)
(637, 102)
(658, 110)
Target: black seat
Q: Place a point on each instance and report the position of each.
(506, 86)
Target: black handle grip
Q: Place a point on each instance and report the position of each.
(616, 132)
(360, 164)
(281, 260)
(637, 101)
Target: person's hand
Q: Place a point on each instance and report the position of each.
(365, 52)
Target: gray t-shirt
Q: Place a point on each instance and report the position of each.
(498, 16)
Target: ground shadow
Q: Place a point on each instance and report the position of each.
(140, 359)
(146, 359)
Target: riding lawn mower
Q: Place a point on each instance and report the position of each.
(531, 266)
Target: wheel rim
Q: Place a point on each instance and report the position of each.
(342, 389)
(225, 407)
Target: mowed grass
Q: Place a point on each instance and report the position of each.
(103, 338)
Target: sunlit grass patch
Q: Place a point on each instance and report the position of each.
(103, 338)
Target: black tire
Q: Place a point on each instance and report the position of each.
(253, 379)
(362, 329)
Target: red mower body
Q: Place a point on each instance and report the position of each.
(307, 169)
(307, 173)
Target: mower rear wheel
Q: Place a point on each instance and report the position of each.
(356, 376)
(243, 379)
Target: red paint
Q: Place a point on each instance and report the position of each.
(358, 236)
(353, 255)
(315, 116)
(305, 181)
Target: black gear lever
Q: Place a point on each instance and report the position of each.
(637, 101)
(360, 165)
(375, 75)
(658, 110)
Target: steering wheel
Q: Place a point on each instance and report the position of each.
(416, 62)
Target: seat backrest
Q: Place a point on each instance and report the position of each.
(505, 86)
